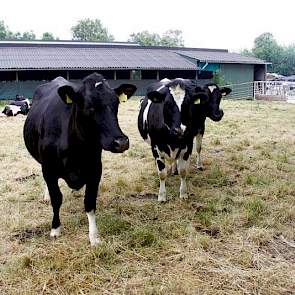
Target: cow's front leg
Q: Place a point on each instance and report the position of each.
(199, 138)
(182, 168)
(90, 208)
(56, 201)
(162, 172)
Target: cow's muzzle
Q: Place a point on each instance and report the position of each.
(217, 116)
(121, 144)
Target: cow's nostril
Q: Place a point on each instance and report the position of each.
(121, 144)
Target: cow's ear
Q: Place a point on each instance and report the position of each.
(125, 91)
(68, 95)
(156, 96)
(199, 98)
(225, 91)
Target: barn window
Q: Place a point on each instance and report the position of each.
(7, 76)
(148, 75)
(135, 75)
(40, 75)
(123, 74)
(205, 75)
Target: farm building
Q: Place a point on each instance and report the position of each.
(26, 64)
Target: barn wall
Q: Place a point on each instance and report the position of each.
(237, 73)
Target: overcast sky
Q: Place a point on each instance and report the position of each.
(231, 24)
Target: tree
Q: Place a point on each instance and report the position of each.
(48, 36)
(91, 30)
(145, 38)
(29, 35)
(170, 38)
(3, 30)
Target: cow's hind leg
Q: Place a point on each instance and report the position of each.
(199, 138)
(56, 201)
(182, 168)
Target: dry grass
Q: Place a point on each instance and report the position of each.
(226, 239)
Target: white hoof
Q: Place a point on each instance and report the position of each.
(55, 232)
(46, 197)
(95, 242)
(162, 198)
(183, 196)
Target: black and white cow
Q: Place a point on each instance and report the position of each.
(17, 107)
(166, 121)
(210, 109)
(66, 129)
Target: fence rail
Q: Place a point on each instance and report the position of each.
(265, 90)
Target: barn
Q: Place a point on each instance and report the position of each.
(26, 64)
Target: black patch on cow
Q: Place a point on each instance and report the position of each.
(160, 165)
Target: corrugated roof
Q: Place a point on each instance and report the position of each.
(90, 58)
(85, 55)
(220, 57)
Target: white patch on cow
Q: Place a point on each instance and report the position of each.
(211, 88)
(165, 80)
(55, 232)
(178, 94)
(182, 168)
(97, 84)
(183, 127)
(173, 153)
(28, 102)
(199, 138)
(182, 171)
(15, 109)
(93, 232)
(161, 87)
(145, 112)
(148, 140)
(46, 197)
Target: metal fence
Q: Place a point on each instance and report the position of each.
(264, 90)
(275, 90)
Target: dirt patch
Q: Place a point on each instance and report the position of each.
(144, 196)
(28, 234)
(26, 178)
(280, 248)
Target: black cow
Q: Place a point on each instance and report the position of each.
(17, 107)
(209, 109)
(166, 121)
(66, 129)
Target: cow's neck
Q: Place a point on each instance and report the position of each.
(80, 132)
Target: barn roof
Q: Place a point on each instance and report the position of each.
(220, 57)
(16, 55)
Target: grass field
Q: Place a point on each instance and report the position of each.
(234, 235)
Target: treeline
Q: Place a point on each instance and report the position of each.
(93, 30)
(282, 58)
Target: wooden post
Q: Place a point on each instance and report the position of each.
(158, 75)
(16, 76)
(115, 75)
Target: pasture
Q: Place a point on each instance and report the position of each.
(234, 235)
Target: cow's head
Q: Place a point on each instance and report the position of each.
(193, 106)
(215, 94)
(96, 106)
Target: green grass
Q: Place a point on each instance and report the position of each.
(225, 239)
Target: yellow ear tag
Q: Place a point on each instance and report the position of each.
(197, 101)
(123, 97)
(68, 100)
